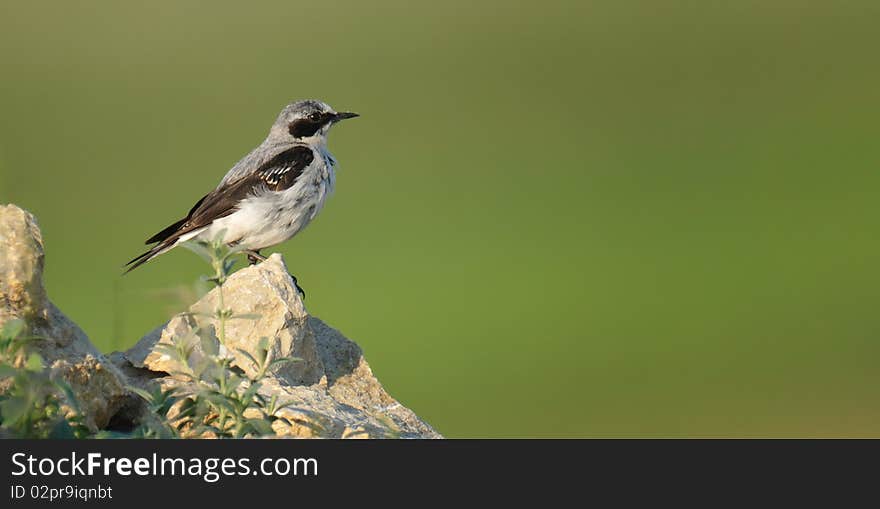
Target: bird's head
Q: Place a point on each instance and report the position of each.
(308, 121)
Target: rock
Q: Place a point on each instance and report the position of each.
(266, 291)
(331, 392)
(61, 344)
(21, 266)
(99, 388)
(351, 382)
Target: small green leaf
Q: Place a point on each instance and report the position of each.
(34, 362)
(263, 343)
(12, 328)
(217, 241)
(142, 393)
(166, 349)
(199, 249)
(170, 351)
(67, 390)
(260, 426)
(210, 344)
(249, 357)
(13, 409)
(272, 402)
(234, 381)
(282, 360)
(248, 395)
(218, 399)
(187, 409)
(284, 404)
(228, 264)
(200, 289)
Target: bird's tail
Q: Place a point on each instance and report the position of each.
(149, 255)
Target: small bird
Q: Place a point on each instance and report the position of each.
(270, 195)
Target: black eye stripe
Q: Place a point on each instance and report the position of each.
(305, 127)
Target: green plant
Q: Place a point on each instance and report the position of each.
(220, 400)
(32, 404)
(225, 401)
(159, 403)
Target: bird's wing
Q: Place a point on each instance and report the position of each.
(277, 174)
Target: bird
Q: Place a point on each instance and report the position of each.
(269, 195)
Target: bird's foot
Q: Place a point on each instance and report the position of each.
(254, 256)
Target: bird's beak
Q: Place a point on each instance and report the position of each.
(342, 115)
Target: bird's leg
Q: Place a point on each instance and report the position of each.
(254, 256)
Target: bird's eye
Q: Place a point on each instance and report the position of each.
(315, 117)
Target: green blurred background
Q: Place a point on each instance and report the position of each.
(553, 219)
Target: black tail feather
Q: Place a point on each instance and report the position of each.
(144, 257)
(169, 236)
(167, 232)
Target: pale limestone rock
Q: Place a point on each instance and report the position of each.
(62, 344)
(266, 291)
(330, 393)
(21, 266)
(99, 387)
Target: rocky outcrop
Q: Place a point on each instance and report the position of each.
(329, 392)
(63, 346)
